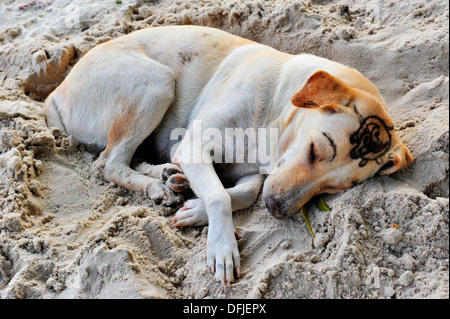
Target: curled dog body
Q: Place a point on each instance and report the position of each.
(333, 126)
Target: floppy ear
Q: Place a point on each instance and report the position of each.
(398, 159)
(322, 89)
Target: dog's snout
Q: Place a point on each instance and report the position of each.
(274, 208)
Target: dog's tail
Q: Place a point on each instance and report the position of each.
(52, 115)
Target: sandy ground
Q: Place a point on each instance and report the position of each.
(65, 233)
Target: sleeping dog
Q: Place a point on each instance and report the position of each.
(333, 128)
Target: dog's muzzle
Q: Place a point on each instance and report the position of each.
(274, 208)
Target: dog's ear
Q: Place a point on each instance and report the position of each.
(399, 158)
(322, 89)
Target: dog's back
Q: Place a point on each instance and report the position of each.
(104, 75)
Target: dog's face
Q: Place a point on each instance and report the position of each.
(345, 137)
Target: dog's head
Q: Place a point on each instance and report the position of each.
(345, 137)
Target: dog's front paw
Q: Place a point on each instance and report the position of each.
(161, 194)
(193, 213)
(174, 178)
(223, 255)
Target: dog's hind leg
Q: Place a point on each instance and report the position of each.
(114, 98)
(140, 113)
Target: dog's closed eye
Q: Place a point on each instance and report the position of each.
(312, 154)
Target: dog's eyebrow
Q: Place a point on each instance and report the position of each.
(333, 145)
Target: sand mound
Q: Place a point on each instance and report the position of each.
(65, 233)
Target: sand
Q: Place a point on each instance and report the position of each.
(66, 233)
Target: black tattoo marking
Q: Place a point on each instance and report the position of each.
(333, 145)
(372, 140)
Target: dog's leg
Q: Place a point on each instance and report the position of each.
(243, 195)
(222, 250)
(151, 93)
(158, 185)
(168, 173)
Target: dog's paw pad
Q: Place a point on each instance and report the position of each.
(167, 172)
(174, 178)
(177, 182)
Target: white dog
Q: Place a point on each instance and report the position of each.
(334, 129)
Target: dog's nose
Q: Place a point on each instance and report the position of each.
(274, 208)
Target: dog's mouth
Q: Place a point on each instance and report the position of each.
(279, 208)
(283, 200)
